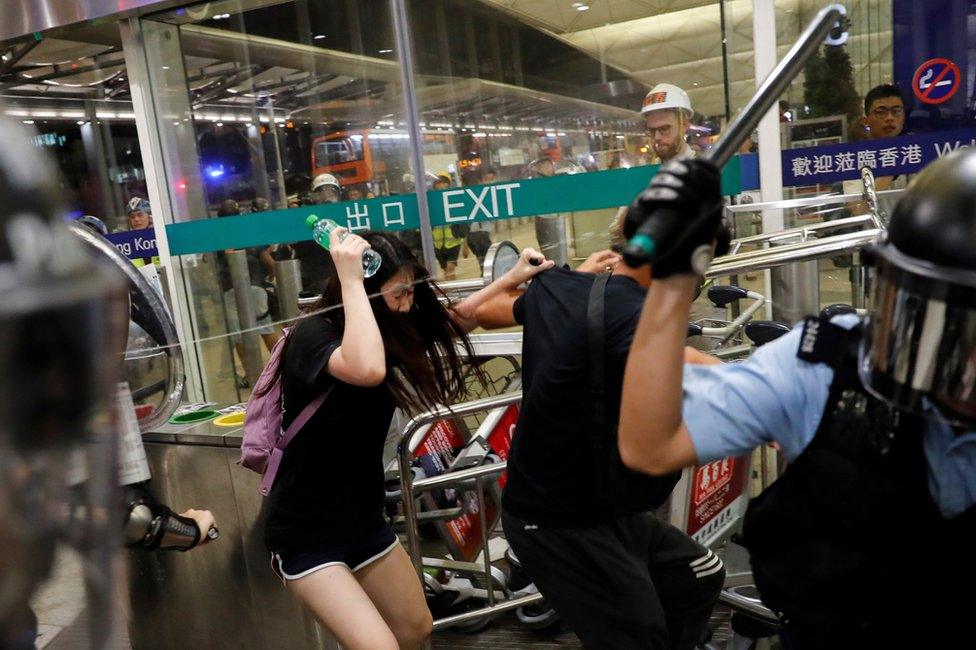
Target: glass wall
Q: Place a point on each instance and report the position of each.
(261, 103)
(265, 108)
(72, 91)
(530, 120)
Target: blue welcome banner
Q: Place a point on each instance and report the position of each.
(887, 157)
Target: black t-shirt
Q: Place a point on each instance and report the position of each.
(549, 468)
(330, 485)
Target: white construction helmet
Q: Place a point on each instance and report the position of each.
(325, 179)
(663, 96)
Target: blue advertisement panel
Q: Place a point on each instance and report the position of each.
(887, 157)
(934, 50)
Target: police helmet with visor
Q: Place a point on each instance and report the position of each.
(919, 348)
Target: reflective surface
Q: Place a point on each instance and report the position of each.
(28, 16)
(920, 345)
(224, 593)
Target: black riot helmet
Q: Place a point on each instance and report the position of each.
(919, 348)
(61, 334)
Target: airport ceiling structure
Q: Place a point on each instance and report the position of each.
(642, 42)
(679, 41)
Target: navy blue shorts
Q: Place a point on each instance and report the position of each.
(354, 555)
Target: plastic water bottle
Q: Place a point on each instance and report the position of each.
(321, 228)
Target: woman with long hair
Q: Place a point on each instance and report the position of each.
(376, 344)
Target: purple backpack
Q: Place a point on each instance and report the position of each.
(264, 442)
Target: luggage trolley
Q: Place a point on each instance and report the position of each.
(471, 537)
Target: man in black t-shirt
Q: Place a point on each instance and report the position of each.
(619, 581)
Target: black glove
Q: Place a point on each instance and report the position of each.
(150, 525)
(678, 217)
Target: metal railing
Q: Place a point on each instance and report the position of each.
(768, 258)
(823, 199)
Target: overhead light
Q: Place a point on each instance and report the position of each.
(220, 123)
(232, 91)
(582, 7)
(28, 121)
(319, 37)
(81, 122)
(165, 67)
(4, 57)
(250, 125)
(385, 51)
(176, 123)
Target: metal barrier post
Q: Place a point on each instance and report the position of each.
(246, 316)
(796, 288)
(486, 556)
(409, 505)
(859, 282)
(288, 274)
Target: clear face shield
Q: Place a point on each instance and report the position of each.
(918, 352)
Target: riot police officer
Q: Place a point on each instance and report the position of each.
(864, 541)
(62, 333)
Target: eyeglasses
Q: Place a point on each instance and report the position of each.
(884, 111)
(665, 130)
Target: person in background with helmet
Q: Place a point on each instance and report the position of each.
(667, 114)
(139, 214)
(860, 543)
(325, 189)
(94, 223)
(450, 242)
(260, 204)
(313, 258)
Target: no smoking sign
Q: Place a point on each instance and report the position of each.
(936, 81)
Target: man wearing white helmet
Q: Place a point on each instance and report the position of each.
(667, 113)
(325, 189)
(313, 259)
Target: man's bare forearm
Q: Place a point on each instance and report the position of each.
(650, 410)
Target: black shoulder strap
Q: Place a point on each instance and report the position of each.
(596, 340)
(836, 346)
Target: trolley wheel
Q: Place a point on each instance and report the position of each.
(473, 626)
(539, 616)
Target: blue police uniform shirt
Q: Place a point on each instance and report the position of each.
(730, 409)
